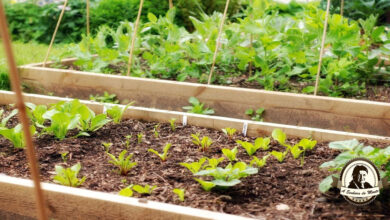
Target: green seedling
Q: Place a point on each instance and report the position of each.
(229, 132)
(127, 192)
(15, 135)
(255, 115)
(206, 185)
(105, 98)
(279, 155)
(156, 130)
(127, 141)
(197, 107)
(68, 176)
(61, 123)
(259, 162)
(115, 112)
(251, 149)
(172, 124)
(180, 193)
(164, 155)
(124, 181)
(36, 114)
(64, 156)
(124, 164)
(139, 138)
(203, 143)
(106, 146)
(194, 167)
(147, 189)
(213, 163)
(230, 154)
(5, 120)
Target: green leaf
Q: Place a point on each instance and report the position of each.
(344, 145)
(127, 192)
(180, 193)
(279, 135)
(326, 183)
(206, 185)
(152, 18)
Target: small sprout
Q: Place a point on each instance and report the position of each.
(139, 137)
(147, 189)
(105, 98)
(279, 155)
(116, 112)
(256, 115)
(206, 185)
(296, 151)
(64, 156)
(194, 167)
(229, 132)
(306, 144)
(156, 130)
(230, 154)
(124, 164)
(68, 176)
(204, 144)
(164, 155)
(106, 146)
(213, 163)
(127, 141)
(250, 148)
(127, 192)
(123, 181)
(180, 193)
(197, 107)
(259, 162)
(172, 124)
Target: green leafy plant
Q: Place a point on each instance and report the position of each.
(127, 191)
(228, 176)
(206, 185)
(156, 130)
(68, 176)
(203, 143)
(180, 193)
(64, 156)
(172, 124)
(123, 163)
(15, 135)
(255, 115)
(89, 122)
(230, 154)
(229, 132)
(194, 167)
(259, 162)
(279, 155)
(164, 155)
(147, 189)
(352, 149)
(212, 163)
(106, 146)
(250, 148)
(36, 114)
(197, 107)
(139, 138)
(116, 112)
(5, 120)
(127, 141)
(61, 123)
(105, 98)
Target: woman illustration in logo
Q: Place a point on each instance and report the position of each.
(359, 176)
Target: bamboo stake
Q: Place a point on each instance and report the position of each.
(342, 8)
(322, 47)
(15, 82)
(134, 36)
(218, 40)
(170, 4)
(55, 32)
(87, 18)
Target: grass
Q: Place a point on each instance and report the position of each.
(25, 53)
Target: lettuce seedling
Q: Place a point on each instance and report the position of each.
(15, 135)
(259, 162)
(164, 155)
(115, 112)
(255, 115)
(89, 122)
(197, 107)
(252, 148)
(230, 154)
(228, 176)
(61, 123)
(194, 167)
(147, 189)
(127, 192)
(279, 155)
(180, 193)
(106, 146)
(206, 185)
(172, 124)
(124, 164)
(139, 137)
(5, 120)
(68, 176)
(36, 114)
(229, 132)
(203, 143)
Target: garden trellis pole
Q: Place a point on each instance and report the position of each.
(342, 8)
(170, 4)
(87, 18)
(55, 32)
(322, 47)
(15, 83)
(141, 3)
(218, 40)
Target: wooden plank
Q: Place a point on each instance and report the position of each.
(358, 116)
(216, 122)
(16, 199)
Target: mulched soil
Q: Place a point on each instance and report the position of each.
(257, 196)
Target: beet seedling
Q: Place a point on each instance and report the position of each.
(229, 132)
(64, 156)
(164, 155)
(139, 138)
(206, 185)
(230, 154)
(156, 130)
(251, 149)
(194, 167)
(127, 192)
(259, 162)
(203, 143)
(180, 193)
(116, 112)
(197, 107)
(279, 155)
(127, 141)
(172, 124)
(213, 163)
(147, 189)
(106, 146)
(124, 164)
(68, 176)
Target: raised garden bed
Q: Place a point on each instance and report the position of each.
(357, 116)
(258, 196)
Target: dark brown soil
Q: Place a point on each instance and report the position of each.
(257, 196)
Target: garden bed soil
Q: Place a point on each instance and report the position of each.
(257, 196)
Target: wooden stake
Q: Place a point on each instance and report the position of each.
(342, 8)
(322, 47)
(170, 4)
(87, 18)
(134, 36)
(218, 40)
(15, 82)
(55, 32)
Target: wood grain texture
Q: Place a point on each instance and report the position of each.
(358, 116)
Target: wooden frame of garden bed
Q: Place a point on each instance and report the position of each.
(17, 200)
(340, 114)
